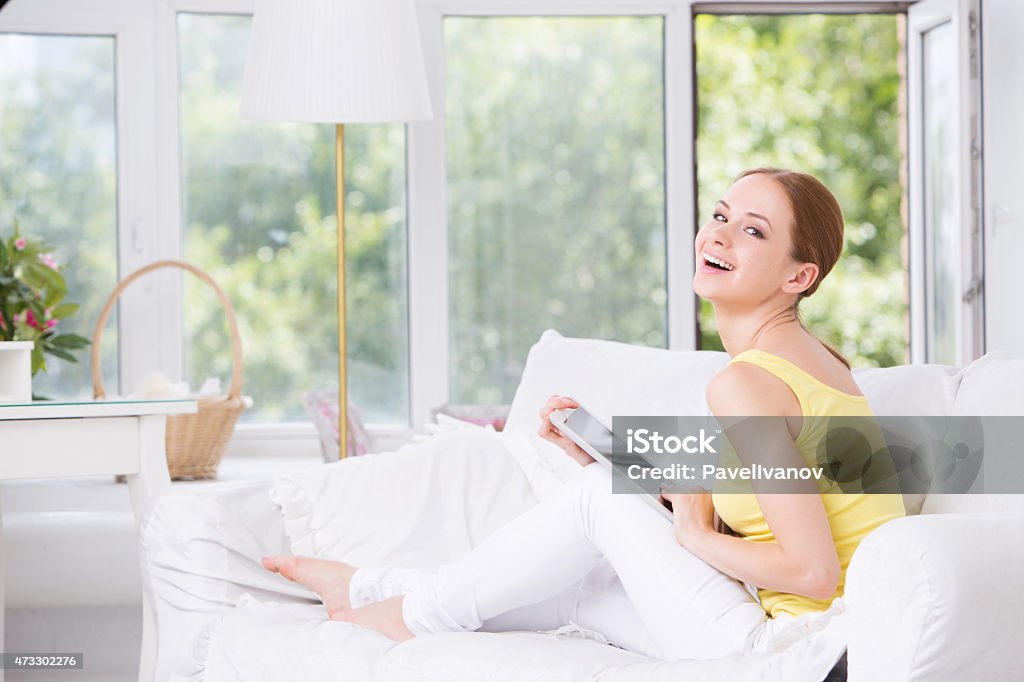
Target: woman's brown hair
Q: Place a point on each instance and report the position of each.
(817, 228)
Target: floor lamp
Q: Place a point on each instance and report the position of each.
(336, 61)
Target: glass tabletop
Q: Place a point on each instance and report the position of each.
(116, 401)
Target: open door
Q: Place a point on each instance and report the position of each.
(946, 257)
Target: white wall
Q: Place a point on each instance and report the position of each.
(1003, 74)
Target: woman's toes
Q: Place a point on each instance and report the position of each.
(282, 564)
(327, 579)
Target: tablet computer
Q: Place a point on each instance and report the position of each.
(601, 443)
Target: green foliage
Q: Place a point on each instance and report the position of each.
(58, 175)
(32, 289)
(816, 93)
(556, 189)
(556, 193)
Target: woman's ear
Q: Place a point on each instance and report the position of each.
(801, 279)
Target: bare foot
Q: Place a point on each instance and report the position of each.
(329, 579)
(384, 616)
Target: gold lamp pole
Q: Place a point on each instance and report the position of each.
(336, 61)
(339, 170)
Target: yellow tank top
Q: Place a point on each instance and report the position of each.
(851, 516)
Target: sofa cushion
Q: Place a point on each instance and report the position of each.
(619, 378)
(938, 598)
(609, 378)
(992, 385)
(612, 378)
(973, 504)
(913, 390)
(505, 657)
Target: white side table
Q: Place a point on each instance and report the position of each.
(47, 439)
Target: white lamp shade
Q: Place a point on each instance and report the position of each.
(335, 61)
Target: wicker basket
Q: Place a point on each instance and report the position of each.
(195, 442)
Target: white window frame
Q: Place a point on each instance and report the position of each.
(963, 17)
(428, 238)
(149, 202)
(139, 240)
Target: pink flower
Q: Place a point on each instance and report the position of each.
(50, 324)
(19, 244)
(48, 260)
(30, 319)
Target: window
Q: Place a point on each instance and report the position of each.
(552, 189)
(941, 245)
(58, 179)
(259, 214)
(947, 271)
(556, 189)
(817, 93)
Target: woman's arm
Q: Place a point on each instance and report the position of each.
(803, 560)
(798, 567)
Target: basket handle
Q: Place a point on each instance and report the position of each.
(236, 340)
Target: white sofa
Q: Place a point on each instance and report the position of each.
(935, 596)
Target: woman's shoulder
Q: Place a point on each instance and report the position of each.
(796, 366)
(745, 389)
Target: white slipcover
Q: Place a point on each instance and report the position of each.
(928, 597)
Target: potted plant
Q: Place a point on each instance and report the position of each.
(32, 291)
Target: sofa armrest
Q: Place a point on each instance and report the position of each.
(200, 549)
(938, 597)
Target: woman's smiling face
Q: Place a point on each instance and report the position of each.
(749, 236)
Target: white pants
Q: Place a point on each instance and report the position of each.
(609, 563)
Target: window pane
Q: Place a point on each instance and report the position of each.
(819, 94)
(58, 180)
(942, 238)
(556, 189)
(260, 217)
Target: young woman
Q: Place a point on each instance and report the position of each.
(610, 563)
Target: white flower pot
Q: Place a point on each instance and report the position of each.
(16, 371)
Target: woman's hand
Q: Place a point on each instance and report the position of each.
(547, 430)
(693, 513)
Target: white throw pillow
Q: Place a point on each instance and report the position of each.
(613, 378)
(913, 390)
(993, 385)
(618, 378)
(609, 378)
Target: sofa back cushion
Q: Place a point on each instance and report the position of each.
(992, 385)
(609, 378)
(612, 378)
(910, 390)
(619, 378)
